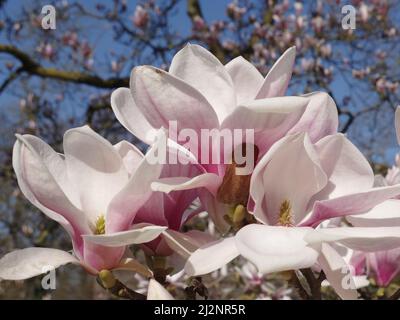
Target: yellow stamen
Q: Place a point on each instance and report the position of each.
(100, 225)
(107, 279)
(285, 214)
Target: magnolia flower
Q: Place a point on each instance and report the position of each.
(275, 249)
(383, 266)
(300, 183)
(234, 96)
(93, 189)
(171, 211)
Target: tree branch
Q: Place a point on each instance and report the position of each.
(30, 66)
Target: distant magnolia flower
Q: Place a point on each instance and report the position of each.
(140, 17)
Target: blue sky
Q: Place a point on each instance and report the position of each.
(99, 34)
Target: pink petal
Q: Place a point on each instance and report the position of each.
(347, 169)
(319, 119)
(247, 80)
(203, 71)
(356, 203)
(161, 98)
(130, 116)
(277, 79)
(41, 175)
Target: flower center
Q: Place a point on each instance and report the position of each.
(234, 189)
(100, 225)
(285, 214)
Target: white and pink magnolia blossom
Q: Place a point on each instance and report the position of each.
(275, 249)
(300, 183)
(93, 189)
(297, 185)
(199, 92)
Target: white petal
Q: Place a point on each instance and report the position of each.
(347, 169)
(125, 205)
(186, 243)
(157, 292)
(386, 214)
(30, 262)
(320, 117)
(130, 116)
(277, 79)
(247, 80)
(209, 181)
(337, 273)
(123, 238)
(132, 265)
(131, 155)
(96, 169)
(361, 239)
(293, 173)
(41, 175)
(203, 71)
(274, 249)
(211, 257)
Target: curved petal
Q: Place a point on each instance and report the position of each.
(319, 119)
(347, 169)
(30, 262)
(277, 79)
(157, 292)
(210, 181)
(356, 203)
(270, 119)
(131, 155)
(41, 175)
(132, 265)
(125, 205)
(247, 80)
(100, 257)
(203, 71)
(292, 175)
(124, 238)
(215, 209)
(130, 116)
(211, 257)
(385, 214)
(385, 265)
(361, 239)
(161, 98)
(337, 272)
(186, 243)
(275, 249)
(95, 168)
